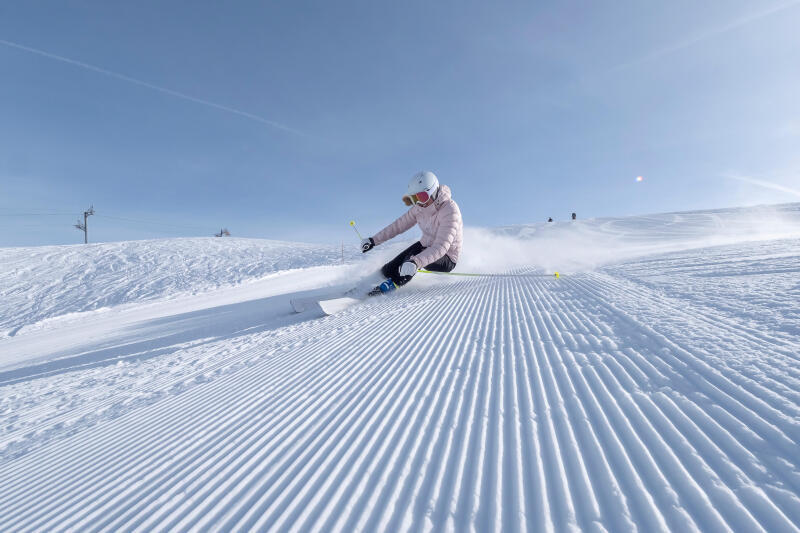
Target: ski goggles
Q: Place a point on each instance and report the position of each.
(419, 198)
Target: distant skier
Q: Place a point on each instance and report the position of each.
(439, 218)
(574, 216)
(550, 219)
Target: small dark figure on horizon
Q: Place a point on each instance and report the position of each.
(550, 219)
(574, 216)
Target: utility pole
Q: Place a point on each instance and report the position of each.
(85, 226)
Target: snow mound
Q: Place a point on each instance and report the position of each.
(38, 283)
(584, 245)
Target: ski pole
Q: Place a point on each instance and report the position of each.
(353, 224)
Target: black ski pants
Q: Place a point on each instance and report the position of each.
(392, 268)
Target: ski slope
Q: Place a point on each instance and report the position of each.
(653, 387)
(50, 281)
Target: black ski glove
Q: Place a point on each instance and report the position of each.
(367, 245)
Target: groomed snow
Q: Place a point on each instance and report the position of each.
(653, 387)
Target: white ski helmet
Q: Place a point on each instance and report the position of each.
(423, 185)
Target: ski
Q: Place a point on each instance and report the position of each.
(308, 303)
(301, 305)
(333, 303)
(337, 305)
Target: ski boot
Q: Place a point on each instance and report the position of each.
(383, 288)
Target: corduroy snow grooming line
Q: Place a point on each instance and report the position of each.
(553, 275)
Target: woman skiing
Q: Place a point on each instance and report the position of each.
(438, 216)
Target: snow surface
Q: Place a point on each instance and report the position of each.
(47, 281)
(167, 385)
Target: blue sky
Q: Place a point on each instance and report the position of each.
(285, 120)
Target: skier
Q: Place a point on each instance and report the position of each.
(438, 216)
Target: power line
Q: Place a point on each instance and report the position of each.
(36, 214)
(47, 225)
(162, 227)
(156, 222)
(34, 211)
(28, 208)
(137, 220)
(157, 231)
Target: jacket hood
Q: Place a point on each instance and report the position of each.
(444, 195)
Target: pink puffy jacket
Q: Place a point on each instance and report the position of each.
(442, 229)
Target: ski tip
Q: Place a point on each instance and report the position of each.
(298, 305)
(335, 305)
